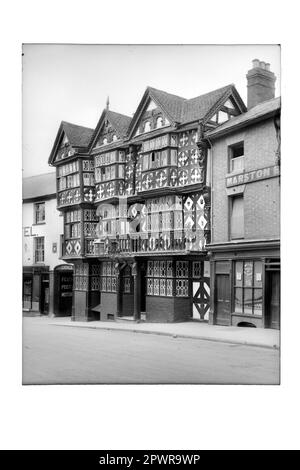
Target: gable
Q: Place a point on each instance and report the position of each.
(151, 118)
(224, 110)
(64, 149)
(112, 127)
(107, 134)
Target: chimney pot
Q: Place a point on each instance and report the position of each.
(267, 66)
(262, 64)
(255, 63)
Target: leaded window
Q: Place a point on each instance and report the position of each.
(108, 277)
(72, 224)
(182, 278)
(160, 278)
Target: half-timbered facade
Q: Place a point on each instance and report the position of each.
(136, 198)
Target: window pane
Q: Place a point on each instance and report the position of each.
(248, 301)
(237, 218)
(248, 273)
(258, 301)
(238, 300)
(239, 273)
(237, 164)
(258, 274)
(121, 171)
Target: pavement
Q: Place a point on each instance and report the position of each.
(266, 338)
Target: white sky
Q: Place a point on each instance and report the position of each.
(72, 82)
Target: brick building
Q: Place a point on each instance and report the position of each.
(135, 194)
(245, 257)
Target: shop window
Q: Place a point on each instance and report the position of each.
(39, 213)
(248, 287)
(39, 249)
(27, 292)
(237, 217)
(236, 157)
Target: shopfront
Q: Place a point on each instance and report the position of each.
(246, 286)
(36, 295)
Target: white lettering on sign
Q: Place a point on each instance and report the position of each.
(256, 175)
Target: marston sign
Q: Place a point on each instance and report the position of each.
(255, 175)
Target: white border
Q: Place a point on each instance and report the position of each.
(136, 417)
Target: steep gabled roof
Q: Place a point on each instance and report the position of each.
(260, 111)
(39, 186)
(78, 136)
(172, 104)
(199, 107)
(120, 122)
(181, 110)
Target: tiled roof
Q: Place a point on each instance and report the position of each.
(197, 108)
(120, 122)
(39, 186)
(256, 112)
(78, 136)
(184, 110)
(171, 103)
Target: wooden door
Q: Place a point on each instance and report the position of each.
(66, 293)
(272, 319)
(222, 300)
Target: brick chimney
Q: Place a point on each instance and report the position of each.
(261, 83)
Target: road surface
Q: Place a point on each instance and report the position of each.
(70, 355)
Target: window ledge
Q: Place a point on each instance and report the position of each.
(234, 173)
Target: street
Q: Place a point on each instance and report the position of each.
(72, 355)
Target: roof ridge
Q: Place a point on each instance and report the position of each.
(166, 92)
(119, 114)
(76, 125)
(211, 92)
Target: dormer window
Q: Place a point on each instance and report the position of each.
(159, 122)
(147, 127)
(105, 141)
(115, 138)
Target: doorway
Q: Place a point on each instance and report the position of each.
(44, 309)
(65, 292)
(272, 306)
(222, 300)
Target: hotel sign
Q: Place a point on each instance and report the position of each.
(255, 175)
